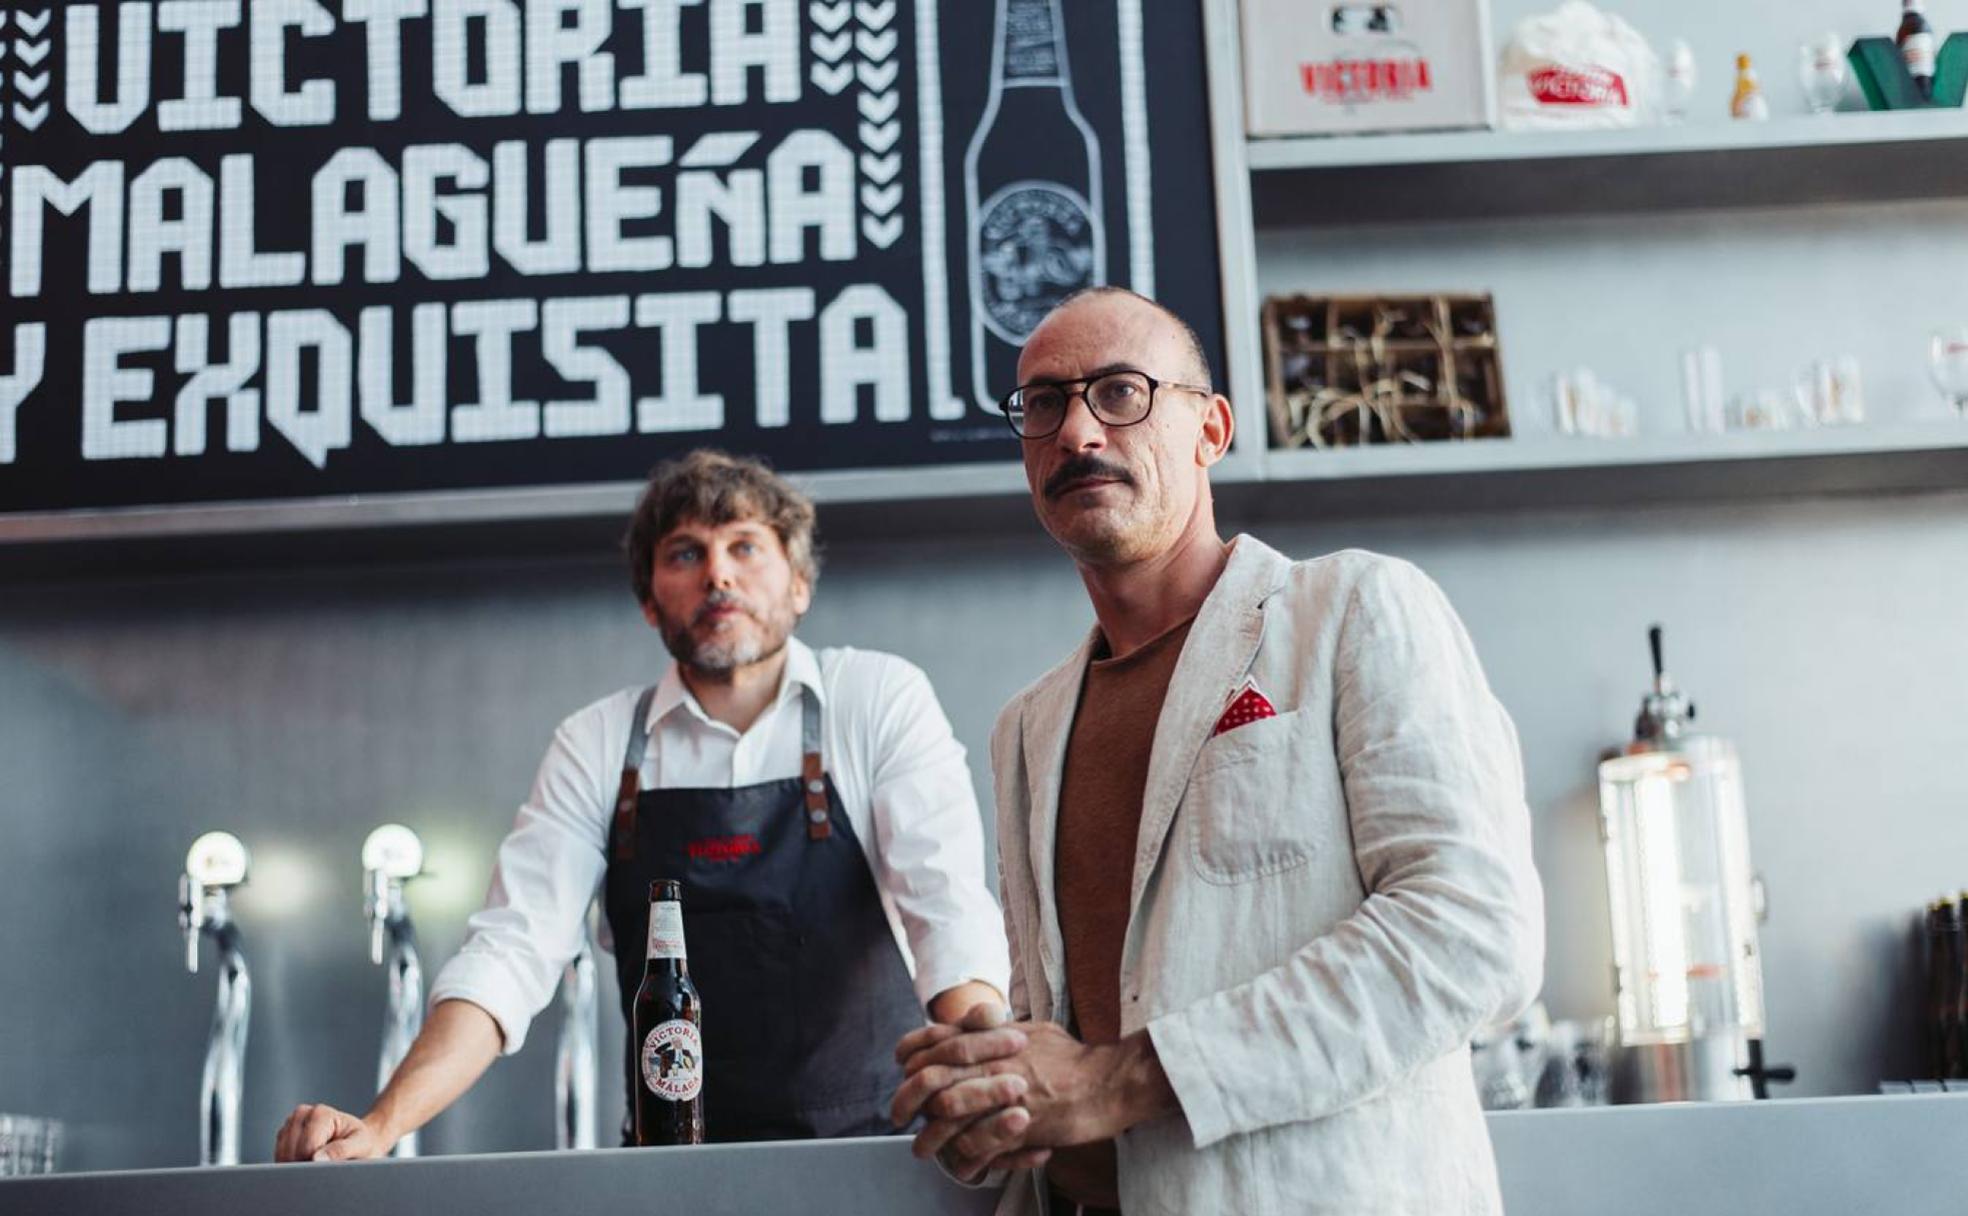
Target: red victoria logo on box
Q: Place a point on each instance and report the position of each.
(1351, 81)
(1558, 85)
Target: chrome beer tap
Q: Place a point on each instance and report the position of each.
(574, 1066)
(391, 857)
(216, 863)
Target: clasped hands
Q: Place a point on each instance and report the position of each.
(1003, 1096)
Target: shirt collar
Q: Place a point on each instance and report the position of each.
(802, 670)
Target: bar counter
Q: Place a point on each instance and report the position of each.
(1900, 1154)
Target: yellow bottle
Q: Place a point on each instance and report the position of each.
(1748, 103)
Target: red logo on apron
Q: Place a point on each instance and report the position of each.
(724, 848)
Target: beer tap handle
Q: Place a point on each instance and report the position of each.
(1654, 644)
(191, 917)
(216, 862)
(391, 856)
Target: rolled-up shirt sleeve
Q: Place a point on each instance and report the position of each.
(930, 840)
(543, 880)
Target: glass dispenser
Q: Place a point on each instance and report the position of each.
(1685, 906)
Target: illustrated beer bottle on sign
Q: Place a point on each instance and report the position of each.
(669, 1031)
(1032, 192)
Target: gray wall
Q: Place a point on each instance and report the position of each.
(302, 709)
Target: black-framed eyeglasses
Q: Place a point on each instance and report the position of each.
(1119, 398)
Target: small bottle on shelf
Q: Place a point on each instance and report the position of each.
(1748, 102)
(1916, 41)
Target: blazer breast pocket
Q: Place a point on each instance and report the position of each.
(1252, 802)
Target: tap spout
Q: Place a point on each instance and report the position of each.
(216, 863)
(574, 1066)
(393, 946)
(222, 1084)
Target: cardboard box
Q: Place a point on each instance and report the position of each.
(1342, 67)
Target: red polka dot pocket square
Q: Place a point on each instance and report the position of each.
(1249, 705)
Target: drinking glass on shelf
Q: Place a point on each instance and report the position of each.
(1763, 410)
(1947, 362)
(1679, 81)
(1822, 72)
(1829, 393)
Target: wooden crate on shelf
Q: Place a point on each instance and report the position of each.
(1343, 371)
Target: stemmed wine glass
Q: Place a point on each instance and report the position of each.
(1947, 362)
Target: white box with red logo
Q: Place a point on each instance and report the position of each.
(1342, 67)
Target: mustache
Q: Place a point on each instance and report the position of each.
(721, 599)
(1079, 467)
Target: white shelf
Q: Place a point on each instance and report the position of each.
(1464, 147)
(1855, 157)
(1553, 452)
(1549, 471)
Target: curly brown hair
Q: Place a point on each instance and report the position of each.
(715, 488)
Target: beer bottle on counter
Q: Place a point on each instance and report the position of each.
(668, 1030)
(1917, 50)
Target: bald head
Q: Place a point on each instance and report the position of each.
(1194, 364)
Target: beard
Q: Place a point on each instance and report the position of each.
(716, 657)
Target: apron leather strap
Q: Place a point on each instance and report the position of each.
(813, 773)
(813, 776)
(631, 785)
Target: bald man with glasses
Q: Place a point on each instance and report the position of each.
(1265, 857)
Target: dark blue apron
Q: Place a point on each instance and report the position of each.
(805, 992)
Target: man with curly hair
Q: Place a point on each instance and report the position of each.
(814, 803)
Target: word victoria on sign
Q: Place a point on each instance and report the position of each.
(524, 51)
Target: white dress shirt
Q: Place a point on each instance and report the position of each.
(902, 781)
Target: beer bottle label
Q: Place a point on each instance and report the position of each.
(666, 930)
(673, 1060)
(1035, 245)
(1918, 52)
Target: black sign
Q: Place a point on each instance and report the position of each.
(259, 249)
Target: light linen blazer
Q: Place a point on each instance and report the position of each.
(1326, 904)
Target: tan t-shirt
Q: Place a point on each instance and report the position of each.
(1099, 819)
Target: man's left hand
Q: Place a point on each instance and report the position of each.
(966, 1082)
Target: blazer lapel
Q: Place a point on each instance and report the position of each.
(1221, 646)
(1048, 723)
